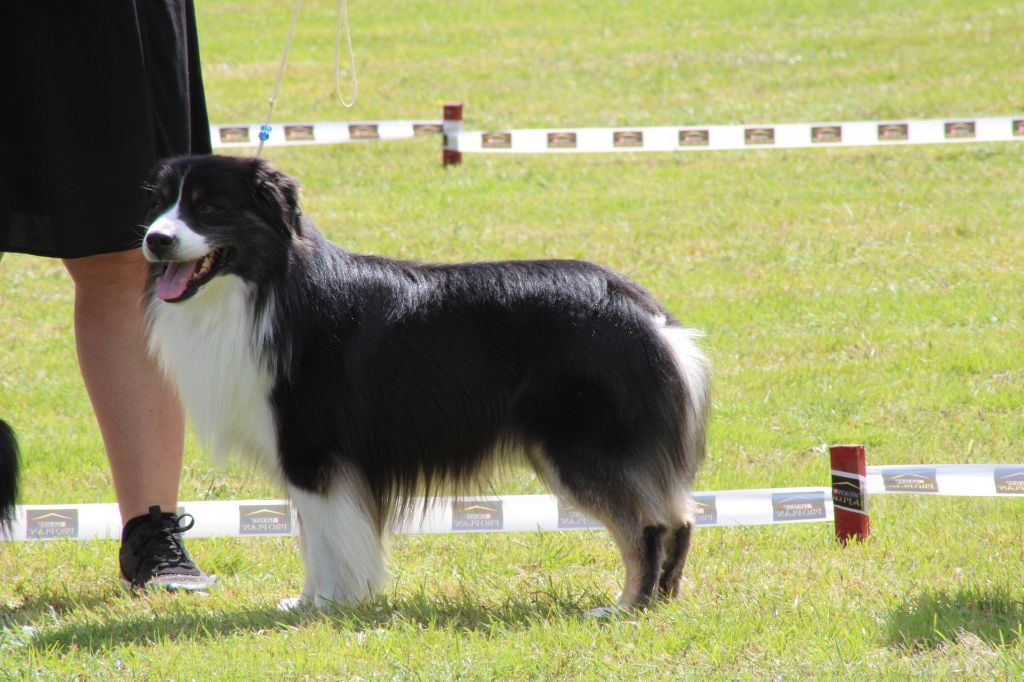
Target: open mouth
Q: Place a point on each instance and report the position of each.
(180, 280)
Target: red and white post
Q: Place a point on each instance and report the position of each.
(451, 126)
(850, 492)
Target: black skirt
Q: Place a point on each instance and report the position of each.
(94, 94)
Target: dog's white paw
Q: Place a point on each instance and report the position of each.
(292, 604)
(606, 612)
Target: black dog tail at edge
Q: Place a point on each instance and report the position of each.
(8, 476)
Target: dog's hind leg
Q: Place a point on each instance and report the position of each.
(626, 510)
(642, 549)
(677, 546)
(643, 553)
(343, 550)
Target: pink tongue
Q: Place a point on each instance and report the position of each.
(172, 284)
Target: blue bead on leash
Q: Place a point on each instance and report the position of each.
(342, 20)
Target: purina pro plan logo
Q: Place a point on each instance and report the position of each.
(1009, 480)
(847, 493)
(363, 131)
(50, 524)
(234, 134)
(798, 506)
(910, 481)
(476, 515)
(826, 134)
(299, 133)
(706, 510)
(496, 140)
(569, 517)
(562, 140)
(264, 519)
(694, 137)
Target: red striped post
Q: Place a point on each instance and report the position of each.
(849, 492)
(451, 125)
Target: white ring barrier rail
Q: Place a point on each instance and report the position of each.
(630, 139)
(339, 132)
(853, 481)
(845, 503)
(965, 480)
(694, 138)
(509, 514)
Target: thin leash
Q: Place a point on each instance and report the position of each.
(342, 14)
(342, 20)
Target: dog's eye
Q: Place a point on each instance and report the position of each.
(207, 210)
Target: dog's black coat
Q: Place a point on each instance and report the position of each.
(416, 376)
(8, 475)
(439, 365)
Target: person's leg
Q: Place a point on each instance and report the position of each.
(139, 415)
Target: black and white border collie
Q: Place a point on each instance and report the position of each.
(360, 381)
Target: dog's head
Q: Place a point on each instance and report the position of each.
(215, 215)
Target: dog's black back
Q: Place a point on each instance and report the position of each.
(439, 366)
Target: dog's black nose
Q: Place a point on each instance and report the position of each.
(159, 241)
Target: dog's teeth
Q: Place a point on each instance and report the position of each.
(204, 266)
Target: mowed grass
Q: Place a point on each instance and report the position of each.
(848, 295)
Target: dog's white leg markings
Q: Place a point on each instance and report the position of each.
(306, 597)
(290, 604)
(344, 556)
(607, 612)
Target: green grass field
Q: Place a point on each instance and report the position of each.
(848, 295)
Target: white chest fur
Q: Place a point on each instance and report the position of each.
(207, 346)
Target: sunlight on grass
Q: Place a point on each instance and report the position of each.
(857, 295)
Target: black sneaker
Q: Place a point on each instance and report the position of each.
(152, 554)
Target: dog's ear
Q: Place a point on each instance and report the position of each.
(277, 196)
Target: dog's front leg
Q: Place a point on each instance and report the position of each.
(306, 598)
(342, 551)
(308, 595)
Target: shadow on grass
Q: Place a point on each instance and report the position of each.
(97, 635)
(53, 601)
(191, 621)
(936, 619)
(461, 612)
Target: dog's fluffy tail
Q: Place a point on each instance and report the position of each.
(695, 370)
(8, 476)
